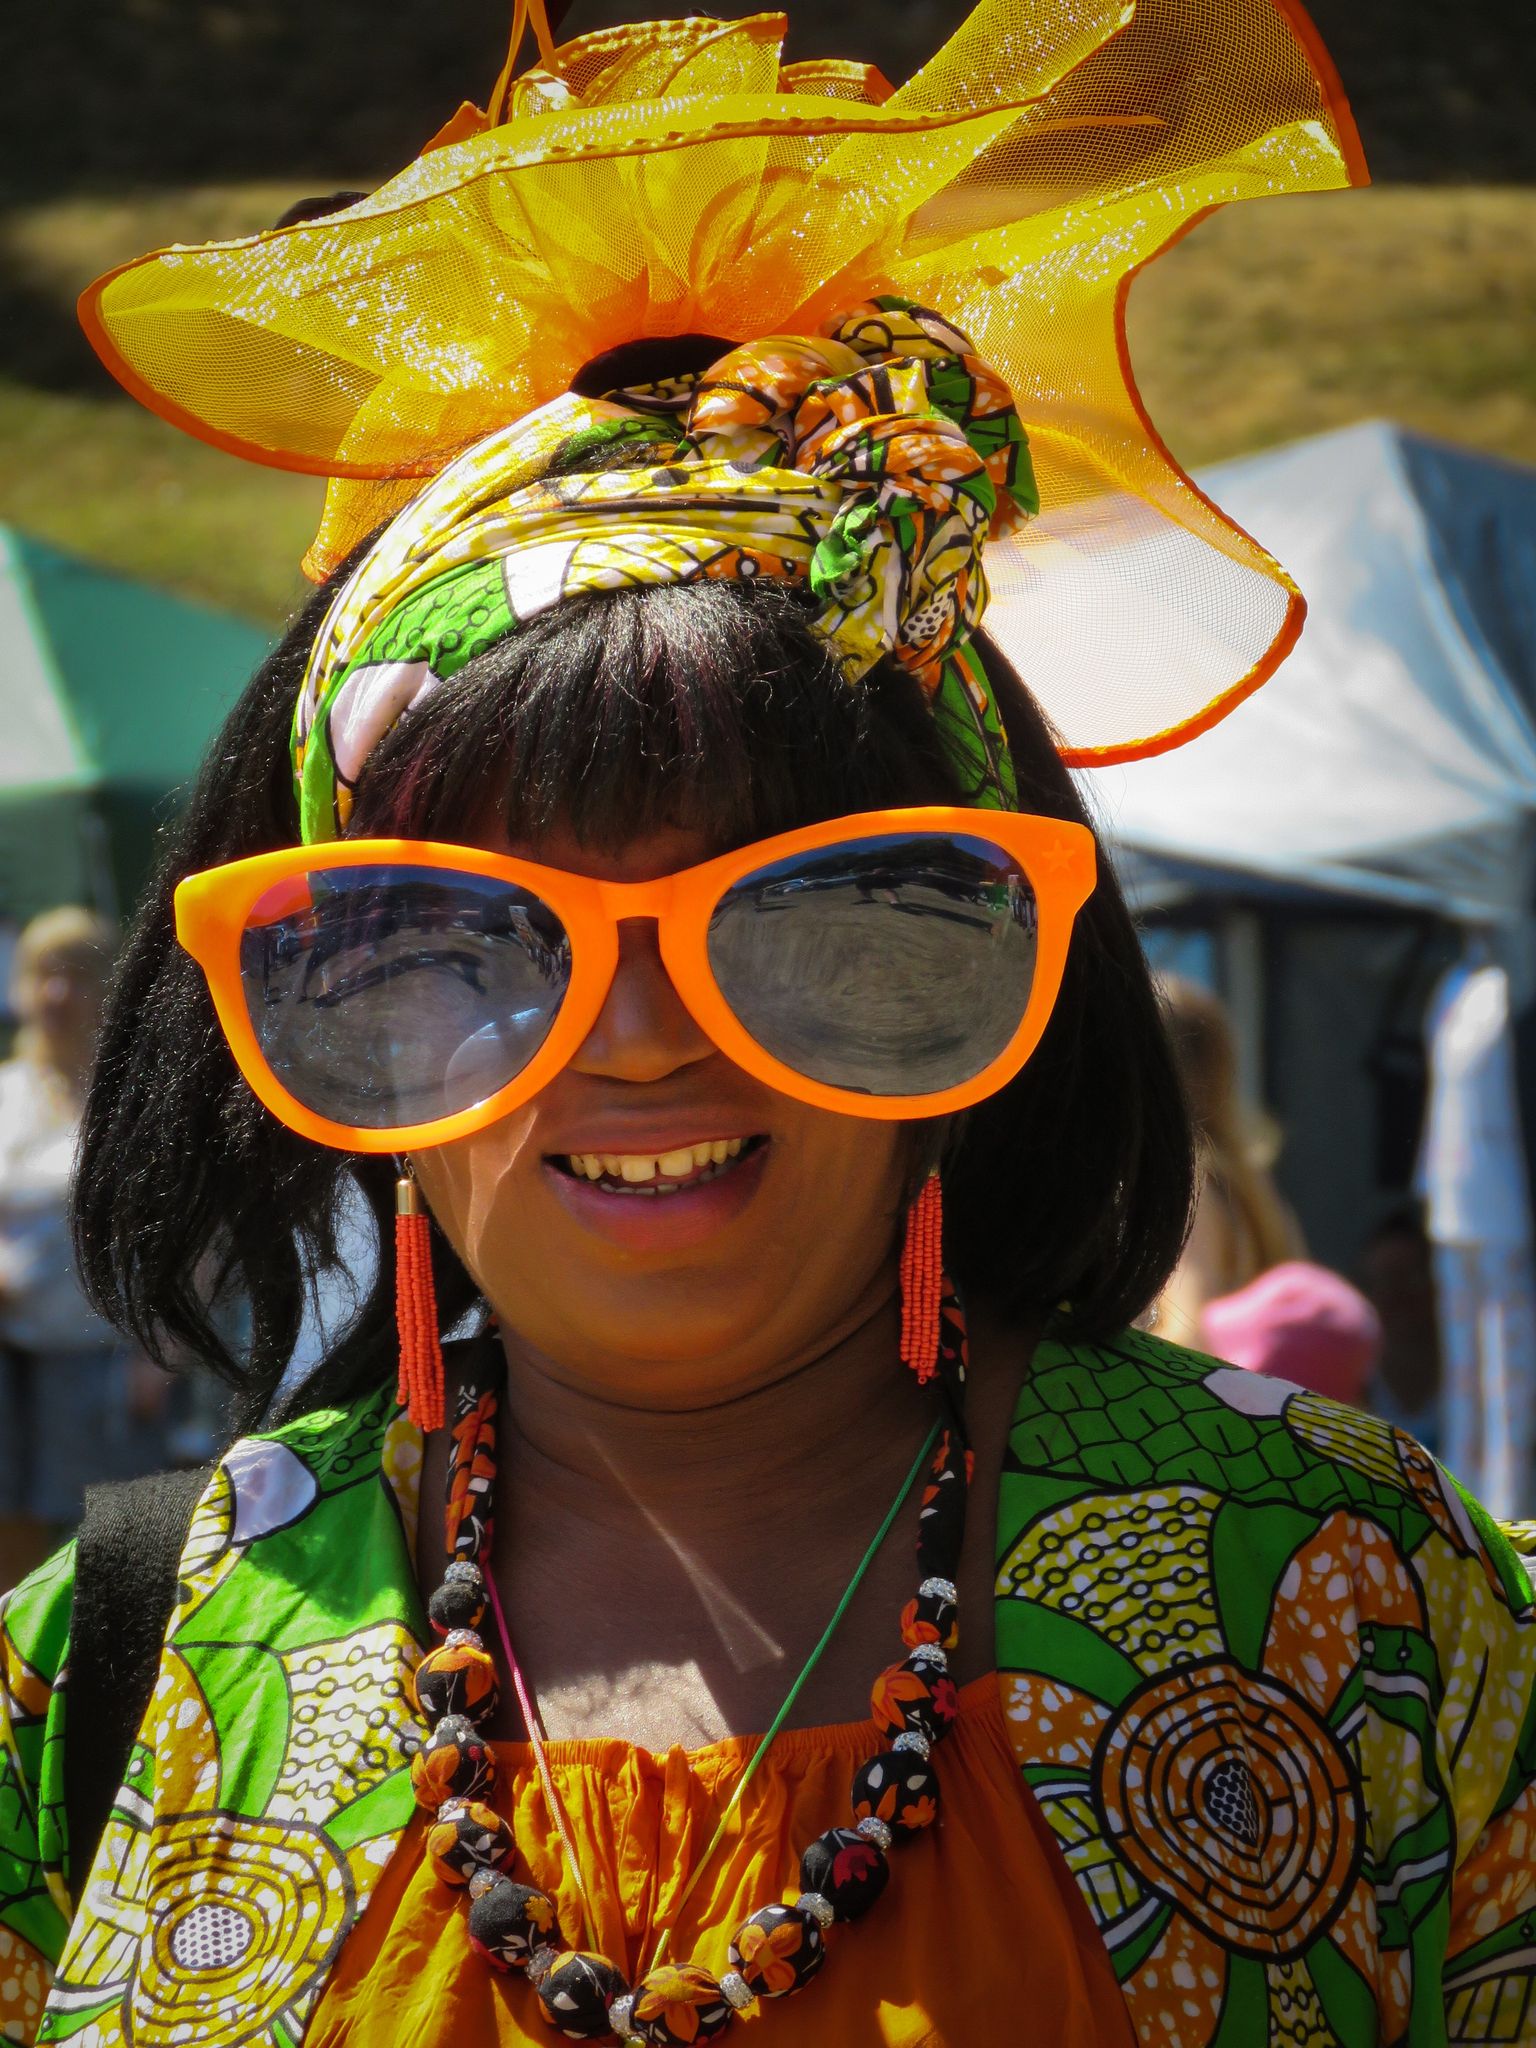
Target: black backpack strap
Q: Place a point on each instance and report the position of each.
(127, 1553)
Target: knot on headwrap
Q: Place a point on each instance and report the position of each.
(871, 464)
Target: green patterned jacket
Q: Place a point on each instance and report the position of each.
(1268, 1674)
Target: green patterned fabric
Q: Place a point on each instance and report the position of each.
(268, 1787)
(1268, 1675)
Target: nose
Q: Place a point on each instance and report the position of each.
(644, 1031)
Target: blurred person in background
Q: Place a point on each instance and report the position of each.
(75, 1405)
(1472, 1174)
(1396, 1272)
(1299, 1322)
(1244, 1288)
(1242, 1225)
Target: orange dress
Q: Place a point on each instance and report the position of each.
(979, 1935)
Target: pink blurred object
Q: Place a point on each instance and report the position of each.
(1299, 1322)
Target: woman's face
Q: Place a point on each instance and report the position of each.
(60, 994)
(697, 1270)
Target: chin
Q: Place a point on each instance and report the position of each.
(670, 1328)
(663, 1343)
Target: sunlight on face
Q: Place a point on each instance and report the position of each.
(656, 1215)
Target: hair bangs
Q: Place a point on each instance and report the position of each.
(710, 706)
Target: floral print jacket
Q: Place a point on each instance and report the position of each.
(1269, 1676)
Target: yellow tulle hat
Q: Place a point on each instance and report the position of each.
(675, 177)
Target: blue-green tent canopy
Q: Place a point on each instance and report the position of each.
(109, 694)
(1393, 757)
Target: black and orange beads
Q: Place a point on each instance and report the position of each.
(453, 1774)
(780, 1947)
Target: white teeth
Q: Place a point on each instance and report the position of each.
(649, 1172)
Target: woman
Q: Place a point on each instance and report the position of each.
(1243, 1288)
(677, 885)
(1241, 1227)
(74, 1405)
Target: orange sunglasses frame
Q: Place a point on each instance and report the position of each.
(213, 910)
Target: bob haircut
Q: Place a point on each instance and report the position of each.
(713, 706)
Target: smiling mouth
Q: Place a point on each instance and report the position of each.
(658, 1173)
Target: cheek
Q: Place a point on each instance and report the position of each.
(838, 1179)
(475, 1188)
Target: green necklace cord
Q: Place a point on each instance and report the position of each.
(795, 1690)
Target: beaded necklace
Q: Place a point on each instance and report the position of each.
(781, 1946)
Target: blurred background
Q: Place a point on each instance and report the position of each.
(1345, 865)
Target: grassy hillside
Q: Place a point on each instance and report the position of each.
(1296, 315)
(1269, 322)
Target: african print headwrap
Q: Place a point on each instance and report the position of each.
(870, 464)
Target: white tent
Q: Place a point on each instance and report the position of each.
(1393, 756)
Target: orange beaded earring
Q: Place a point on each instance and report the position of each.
(922, 1280)
(421, 1351)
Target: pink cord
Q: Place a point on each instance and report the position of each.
(536, 1740)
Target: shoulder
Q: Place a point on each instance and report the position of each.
(34, 1899)
(34, 1636)
(1187, 1515)
(333, 1440)
(1136, 1411)
(1269, 1674)
(323, 1464)
(279, 1712)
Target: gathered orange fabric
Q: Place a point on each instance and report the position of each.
(981, 1922)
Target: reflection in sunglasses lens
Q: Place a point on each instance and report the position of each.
(897, 965)
(390, 996)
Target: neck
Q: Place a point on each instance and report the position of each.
(844, 1416)
(698, 1549)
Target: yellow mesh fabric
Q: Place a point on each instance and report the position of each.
(661, 180)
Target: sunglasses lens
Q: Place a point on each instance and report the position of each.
(896, 965)
(383, 997)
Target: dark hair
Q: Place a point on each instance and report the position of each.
(713, 706)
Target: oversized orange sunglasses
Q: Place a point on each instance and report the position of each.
(385, 994)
